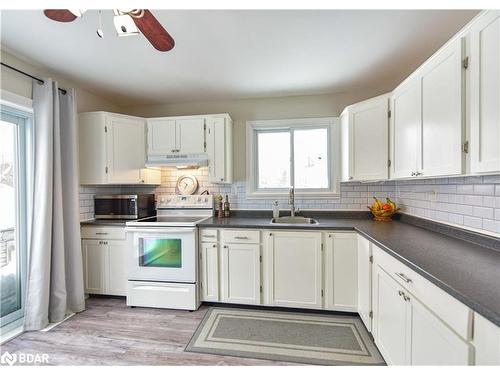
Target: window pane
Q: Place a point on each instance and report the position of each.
(9, 258)
(273, 159)
(311, 158)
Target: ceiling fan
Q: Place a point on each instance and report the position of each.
(127, 22)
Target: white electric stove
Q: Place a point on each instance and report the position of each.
(162, 261)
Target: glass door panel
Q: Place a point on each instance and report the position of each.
(159, 252)
(12, 218)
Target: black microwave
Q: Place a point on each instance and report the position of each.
(134, 206)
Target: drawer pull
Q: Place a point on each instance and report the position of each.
(241, 237)
(209, 235)
(102, 233)
(403, 277)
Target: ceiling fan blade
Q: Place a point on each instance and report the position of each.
(60, 15)
(154, 32)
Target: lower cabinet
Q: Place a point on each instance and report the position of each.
(209, 272)
(341, 276)
(240, 273)
(294, 266)
(407, 332)
(105, 266)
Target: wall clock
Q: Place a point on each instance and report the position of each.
(187, 184)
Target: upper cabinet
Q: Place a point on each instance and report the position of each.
(484, 67)
(365, 140)
(112, 150)
(179, 135)
(426, 125)
(219, 149)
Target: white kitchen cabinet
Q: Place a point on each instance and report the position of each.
(240, 273)
(365, 136)
(405, 126)
(161, 137)
(391, 319)
(94, 266)
(294, 267)
(341, 266)
(209, 272)
(427, 118)
(407, 332)
(484, 92)
(442, 123)
(112, 150)
(432, 342)
(117, 267)
(365, 281)
(486, 342)
(167, 136)
(219, 149)
(105, 260)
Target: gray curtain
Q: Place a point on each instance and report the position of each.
(55, 273)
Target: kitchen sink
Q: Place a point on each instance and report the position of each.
(294, 220)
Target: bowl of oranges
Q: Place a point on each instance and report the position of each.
(383, 211)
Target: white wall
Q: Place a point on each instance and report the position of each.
(22, 85)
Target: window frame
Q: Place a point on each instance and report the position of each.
(253, 128)
(19, 110)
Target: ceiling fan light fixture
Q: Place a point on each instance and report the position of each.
(125, 25)
(78, 12)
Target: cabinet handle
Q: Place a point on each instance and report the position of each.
(401, 293)
(241, 237)
(403, 277)
(351, 178)
(173, 150)
(418, 173)
(101, 233)
(413, 173)
(225, 246)
(406, 298)
(214, 245)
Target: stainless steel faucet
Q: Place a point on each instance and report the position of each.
(291, 201)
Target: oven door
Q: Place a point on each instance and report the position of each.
(163, 254)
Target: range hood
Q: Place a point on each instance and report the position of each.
(179, 161)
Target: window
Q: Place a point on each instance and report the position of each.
(13, 220)
(300, 153)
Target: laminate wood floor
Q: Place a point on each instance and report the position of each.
(110, 333)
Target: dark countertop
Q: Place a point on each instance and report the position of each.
(467, 271)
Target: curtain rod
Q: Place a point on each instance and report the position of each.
(63, 91)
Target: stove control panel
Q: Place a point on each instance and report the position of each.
(185, 201)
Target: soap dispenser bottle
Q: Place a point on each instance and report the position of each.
(276, 210)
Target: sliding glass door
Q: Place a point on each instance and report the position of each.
(13, 215)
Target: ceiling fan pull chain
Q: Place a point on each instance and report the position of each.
(99, 31)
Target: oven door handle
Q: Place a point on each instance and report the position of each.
(160, 230)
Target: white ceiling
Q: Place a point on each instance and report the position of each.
(235, 53)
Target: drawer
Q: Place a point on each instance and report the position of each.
(162, 295)
(103, 232)
(208, 235)
(240, 236)
(453, 312)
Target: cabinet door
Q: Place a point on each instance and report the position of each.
(406, 122)
(369, 139)
(209, 272)
(161, 137)
(295, 269)
(341, 282)
(364, 281)
(191, 136)
(241, 273)
(117, 268)
(126, 152)
(390, 319)
(432, 342)
(94, 260)
(441, 79)
(484, 65)
(92, 148)
(216, 149)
